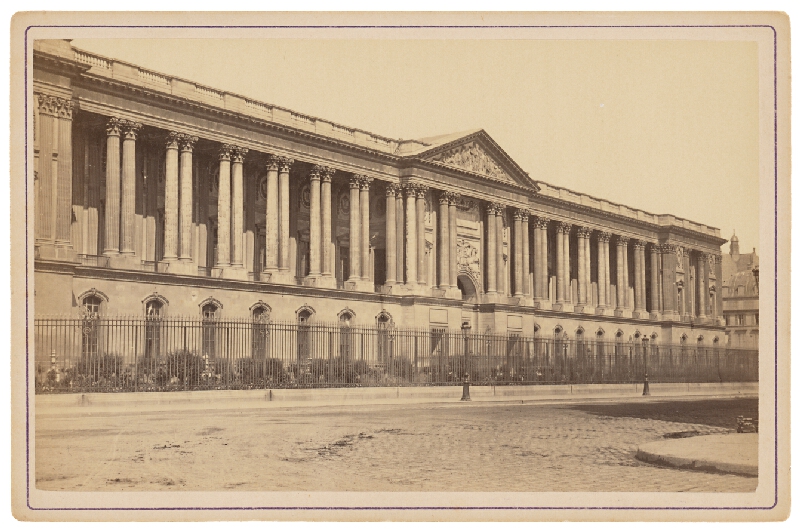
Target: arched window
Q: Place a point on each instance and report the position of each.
(304, 317)
(260, 315)
(154, 312)
(210, 311)
(91, 312)
(384, 322)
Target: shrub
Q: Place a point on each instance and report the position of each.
(94, 368)
(258, 371)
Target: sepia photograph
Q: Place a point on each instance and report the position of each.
(400, 267)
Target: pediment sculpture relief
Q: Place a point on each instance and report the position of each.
(472, 157)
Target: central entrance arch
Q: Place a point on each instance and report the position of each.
(468, 291)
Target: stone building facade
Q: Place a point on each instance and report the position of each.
(156, 194)
(740, 296)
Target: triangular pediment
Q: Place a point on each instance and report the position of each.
(476, 153)
(472, 157)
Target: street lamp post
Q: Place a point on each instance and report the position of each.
(645, 343)
(465, 328)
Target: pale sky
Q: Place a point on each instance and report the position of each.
(665, 126)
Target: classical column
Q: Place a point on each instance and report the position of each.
(602, 269)
(224, 208)
(622, 280)
(391, 233)
(588, 265)
(540, 259)
(583, 236)
(444, 241)
(315, 243)
(638, 286)
(453, 238)
(238, 206)
(284, 164)
(702, 290)
(501, 276)
(654, 303)
(129, 129)
(186, 144)
(567, 269)
(421, 258)
(519, 290)
(526, 255)
(668, 279)
(170, 199)
(561, 227)
(411, 235)
(355, 229)
(272, 218)
(327, 232)
(491, 248)
(364, 203)
(113, 187)
(400, 234)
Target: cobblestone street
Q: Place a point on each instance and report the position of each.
(434, 447)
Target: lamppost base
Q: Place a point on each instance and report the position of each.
(465, 392)
(646, 392)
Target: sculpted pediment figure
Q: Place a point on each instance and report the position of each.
(472, 157)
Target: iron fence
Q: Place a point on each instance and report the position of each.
(165, 354)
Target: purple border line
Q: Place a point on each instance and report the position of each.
(27, 270)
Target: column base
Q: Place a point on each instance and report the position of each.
(453, 293)
(56, 252)
(234, 272)
(600, 310)
(320, 281)
(655, 316)
(125, 261)
(579, 309)
(181, 267)
(359, 285)
(542, 304)
(563, 306)
(619, 313)
(640, 314)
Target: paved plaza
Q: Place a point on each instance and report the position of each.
(422, 447)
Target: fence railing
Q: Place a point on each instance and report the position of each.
(110, 354)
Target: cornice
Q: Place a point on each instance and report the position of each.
(68, 67)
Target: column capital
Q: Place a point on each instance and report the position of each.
(521, 214)
(393, 190)
(239, 153)
(655, 248)
(225, 151)
(584, 232)
(316, 173)
(421, 190)
(364, 181)
(186, 142)
(622, 240)
(284, 164)
(603, 236)
(114, 126)
(327, 173)
(452, 197)
(273, 160)
(495, 208)
(541, 222)
(171, 140)
(564, 227)
(638, 244)
(55, 106)
(130, 128)
(668, 248)
(355, 181)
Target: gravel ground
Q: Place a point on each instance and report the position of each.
(433, 447)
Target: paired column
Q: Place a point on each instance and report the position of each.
(622, 278)
(314, 244)
(702, 289)
(237, 199)
(526, 254)
(540, 287)
(411, 234)
(562, 261)
(224, 207)
(53, 175)
(170, 199)
(668, 260)
(655, 275)
(400, 222)
(366, 271)
(491, 247)
(639, 305)
(584, 265)
(284, 165)
(186, 145)
(501, 276)
(453, 239)
(420, 216)
(113, 129)
(272, 219)
(327, 227)
(519, 286)
(355, 228)
(130, 129)
(392, 190)
(603, 271)
(444, 241)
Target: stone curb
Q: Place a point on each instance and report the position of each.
(714, 460)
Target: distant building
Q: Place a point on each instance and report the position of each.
(740, 296)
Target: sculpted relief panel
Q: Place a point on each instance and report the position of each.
(469, 260)
(472, 157)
